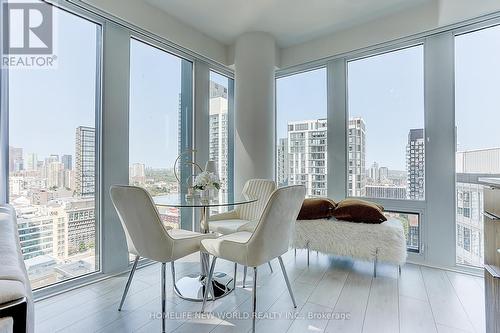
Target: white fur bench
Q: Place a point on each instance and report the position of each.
(372, 242)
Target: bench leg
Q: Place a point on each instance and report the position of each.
(375, 263)
(399, 270)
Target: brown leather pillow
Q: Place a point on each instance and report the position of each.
(316, 208)
(356, 210)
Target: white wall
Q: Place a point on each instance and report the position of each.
(453, 11)
(402, 24)
(162, 24)
(254, 122)
(409, 22)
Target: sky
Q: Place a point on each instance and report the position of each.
(46, 106)
(387, 92)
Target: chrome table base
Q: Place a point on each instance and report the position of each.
(192, 287)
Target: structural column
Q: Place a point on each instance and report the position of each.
(254, 121)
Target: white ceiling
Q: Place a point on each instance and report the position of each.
(289, 21)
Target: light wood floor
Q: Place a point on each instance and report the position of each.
(333, 295)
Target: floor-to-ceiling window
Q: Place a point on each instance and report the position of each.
(219, 149)
(477, 101)
(301, 131)
(158, 124)
(385, 131)
(52, 155)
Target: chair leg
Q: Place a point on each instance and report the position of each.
(172, 268)
(163, 295)
(270, 267)
(127, 286)
(254, 298)
(207, 286)
(287, 281)
(244, 275)
(234, 277)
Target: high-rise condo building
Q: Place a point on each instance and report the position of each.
(282, 163)
(357, 156)
(302, 156)
(415, 164)
(85, 161)
(137, 173)
(307, 156)
(386, 191)
(32, 162)
(67, 161)
(16, 162)
(470, 166)
(373, 172)
(218, 127)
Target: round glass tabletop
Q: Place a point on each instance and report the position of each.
(180, 201)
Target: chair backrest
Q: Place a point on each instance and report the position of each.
(261, 189)
(272, 235)
(146, 235)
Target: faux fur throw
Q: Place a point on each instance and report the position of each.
(356, 240)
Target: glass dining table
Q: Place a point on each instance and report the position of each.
(192, 287)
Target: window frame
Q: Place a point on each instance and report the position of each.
(461, 30)
(113, 257)
(230, 127)
(276, 138)
(187, 120)
(381, 52)
(337, 113)
(100, 27)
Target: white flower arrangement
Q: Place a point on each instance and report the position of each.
(206, 180)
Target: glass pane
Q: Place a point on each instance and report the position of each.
(219, 132)
(155, 122)
(386, 126)
(52, 156)
(477, 78)
(411, 225)
(301, 147)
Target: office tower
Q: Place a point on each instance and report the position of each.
(357, 156)
(15, 159)
(218, 127)
(470, 166)
(282, 163)
(85, 161)
(383, 174)
(374, 172)
(32, 162)
(53, 158)
(415, 164)
(307, 157)
(67, 161)
(137, 173)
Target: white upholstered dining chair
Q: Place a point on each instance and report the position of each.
(147, 237)
(244, 217)
(269, 240)
(229, 222)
